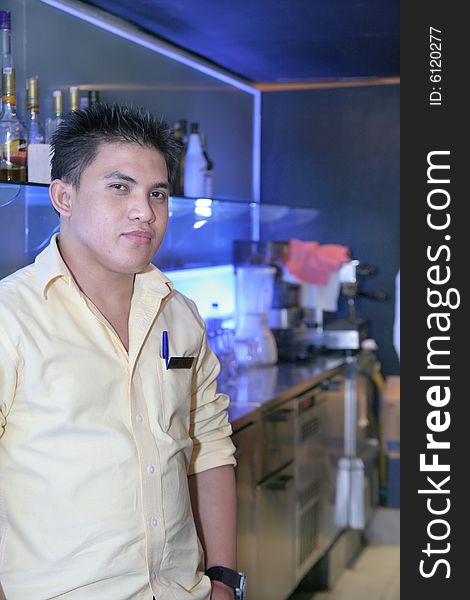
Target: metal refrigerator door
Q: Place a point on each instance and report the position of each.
(275, 524)
(311, 465)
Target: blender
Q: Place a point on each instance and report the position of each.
(254, 340)
(254, 285)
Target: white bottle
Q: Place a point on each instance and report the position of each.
(194, 165)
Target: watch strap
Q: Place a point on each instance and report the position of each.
(225, 575)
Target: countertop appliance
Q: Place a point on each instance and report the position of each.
(254, 283)
(254, 341)
(298, 322)
(349, 333)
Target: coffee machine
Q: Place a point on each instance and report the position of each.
(300, 316)
(295, 314)
(348, 333)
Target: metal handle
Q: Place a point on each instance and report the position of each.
(379, 296)
(279, 416)
(279, 484)
(331, 385)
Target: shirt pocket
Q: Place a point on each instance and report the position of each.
(177, 385)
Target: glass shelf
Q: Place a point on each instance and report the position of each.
(200, 231)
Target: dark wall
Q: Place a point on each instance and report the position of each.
(337, 150)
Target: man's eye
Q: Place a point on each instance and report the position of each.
(118, 186)
(158, 195)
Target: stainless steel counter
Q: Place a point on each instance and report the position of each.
(289, 432)
(261, 388)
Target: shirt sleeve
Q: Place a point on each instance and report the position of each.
(210, 429)
(8, 378)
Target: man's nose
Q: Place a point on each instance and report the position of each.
(141, 210)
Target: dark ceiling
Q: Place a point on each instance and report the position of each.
(277, 41)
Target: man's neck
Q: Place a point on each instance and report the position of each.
(109, 291)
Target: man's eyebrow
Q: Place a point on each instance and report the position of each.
(162, 184)
(123, 177)
(119, 175)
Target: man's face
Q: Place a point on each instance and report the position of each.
(120, 210)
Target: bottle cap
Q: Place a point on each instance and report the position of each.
(32, 96)
(8, 81)
(58, 103)
(5, 19)
(74, 98)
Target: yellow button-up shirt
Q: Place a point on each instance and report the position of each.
(98, 442)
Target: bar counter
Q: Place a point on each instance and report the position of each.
(261, 388)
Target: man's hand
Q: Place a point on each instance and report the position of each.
(220, 591)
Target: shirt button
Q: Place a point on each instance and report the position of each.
(153, 575)
(139, 418)
(153, 522)
(150, 469)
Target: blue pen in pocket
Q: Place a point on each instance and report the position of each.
(165, 351)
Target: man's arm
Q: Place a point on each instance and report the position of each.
(214, 504)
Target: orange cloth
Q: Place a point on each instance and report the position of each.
(311, 262)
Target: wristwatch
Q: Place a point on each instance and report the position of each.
(234, 579)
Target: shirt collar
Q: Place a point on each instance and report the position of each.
(50, 266)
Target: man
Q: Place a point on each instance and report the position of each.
(107, 451)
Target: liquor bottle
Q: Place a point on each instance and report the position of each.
(194, 165)
(13, 144)
(209, 173)
(179, 131)
(57, 114)
(33, 124)
(6, 59)
(74, 98)
(93, 97)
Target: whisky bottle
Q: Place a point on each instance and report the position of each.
(13, 139)
(194, 165)
(6, 59)
(74, 98)
(57, 114)
(33, 124)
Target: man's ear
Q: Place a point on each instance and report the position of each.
(60, 193)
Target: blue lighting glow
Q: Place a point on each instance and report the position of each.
(206, 286)
(203, 211)
(203, 202)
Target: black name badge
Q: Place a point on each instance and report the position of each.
(180, 362)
